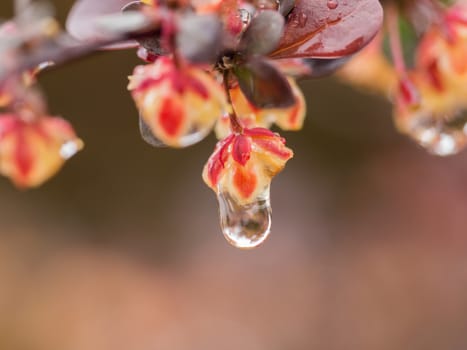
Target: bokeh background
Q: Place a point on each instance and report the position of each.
(122, 250)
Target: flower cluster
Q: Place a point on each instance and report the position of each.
(228, 66)
(425, 74)
(183, 92)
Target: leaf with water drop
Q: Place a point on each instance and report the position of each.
(317, 29)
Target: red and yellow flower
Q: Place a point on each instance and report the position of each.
(243, 164)
(33, 151)
(442, 52)
(179, 104)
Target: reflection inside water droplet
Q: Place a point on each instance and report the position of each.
(148, 136)
(245, 226)
(442, 136)
(70, 148)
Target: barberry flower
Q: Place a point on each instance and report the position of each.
(290, 118)
(33, 151)
(180, 103)
(429, 91)
(240, 172)
(437, 122)
(442, 52)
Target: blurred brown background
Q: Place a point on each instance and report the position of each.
(122, 250)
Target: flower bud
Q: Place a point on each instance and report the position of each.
(179, 104)
(290, 118)
(243, 165)
(438, 122)
(441, 54)
(33, 151)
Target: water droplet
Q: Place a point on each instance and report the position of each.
(441, 136)
(245, 226)
(70, 148)
(298, 19)
(148, 136)
(245, 17)
(332, 4)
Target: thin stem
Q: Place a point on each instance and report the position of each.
(392, 16)
(64, 53)
(235, 124)
(408, 91)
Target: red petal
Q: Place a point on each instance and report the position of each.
(241, 149)
(8, 123)
(217, 161)
(245, 181)
(171, 117)
(23, 155)
(274, 147)
(261, 132)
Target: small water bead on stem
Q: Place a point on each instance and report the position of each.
(245, 226)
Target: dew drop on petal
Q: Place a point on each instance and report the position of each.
(70, 148)
(245, 226)
(148, 136)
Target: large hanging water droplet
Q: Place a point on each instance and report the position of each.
(148, 136)
(442, 136)
(245, 226)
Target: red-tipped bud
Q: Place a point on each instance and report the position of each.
(179, 104)
(243, 165)
(33, 151)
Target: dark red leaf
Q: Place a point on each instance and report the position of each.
(263, 85)
(329, 28)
